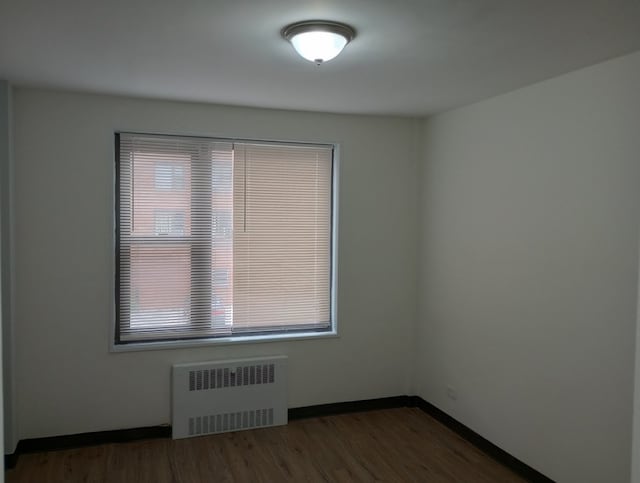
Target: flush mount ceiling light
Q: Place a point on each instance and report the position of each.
(317, 40)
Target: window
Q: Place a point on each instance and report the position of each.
(222, 223)
(222, 174)
(168, 222)
(222, 239)
(221, 277)
(169, 176)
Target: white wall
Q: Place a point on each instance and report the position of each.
(529, 268)
(5, 157)
(70, 383)
(635, 447)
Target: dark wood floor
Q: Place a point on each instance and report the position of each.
(394, 445)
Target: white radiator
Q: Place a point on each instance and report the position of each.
(232, 395)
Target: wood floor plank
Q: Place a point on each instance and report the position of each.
(392, 445)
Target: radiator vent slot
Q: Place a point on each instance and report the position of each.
(220, 378)
(221, 423)
(220, 396)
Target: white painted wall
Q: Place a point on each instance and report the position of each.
(529, 269)
(64, 156)
(5, 156)
(635, 446)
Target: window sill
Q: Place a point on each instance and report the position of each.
(233, 340)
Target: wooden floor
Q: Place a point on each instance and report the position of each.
(395, 445)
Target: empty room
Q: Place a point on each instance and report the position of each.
(320, 241)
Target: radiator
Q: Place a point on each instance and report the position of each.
(233, 395)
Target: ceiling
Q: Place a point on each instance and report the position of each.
(410, 57)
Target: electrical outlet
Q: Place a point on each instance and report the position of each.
(451, 393)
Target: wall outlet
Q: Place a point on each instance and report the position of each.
(451, 393)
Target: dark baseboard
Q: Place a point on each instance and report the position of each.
(69, 441)
(486, 446)
(54, 443)
(348, 407)
(10, 460)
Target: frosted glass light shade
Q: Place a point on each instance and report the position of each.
(318, 41)
(318, 47)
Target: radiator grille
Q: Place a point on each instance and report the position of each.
(220, 423)
(231, 395)
(222, 377)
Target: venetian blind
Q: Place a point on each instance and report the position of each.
(282, 237)
(218, 237)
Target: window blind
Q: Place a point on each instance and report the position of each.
(217, 237)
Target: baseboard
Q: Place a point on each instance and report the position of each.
(54, 443)
(486, 446)
(10, 460)
(349, 407)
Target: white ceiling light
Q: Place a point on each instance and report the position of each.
(317, 40)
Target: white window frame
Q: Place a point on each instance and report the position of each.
(244, 339)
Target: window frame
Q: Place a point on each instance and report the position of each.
(115, 345)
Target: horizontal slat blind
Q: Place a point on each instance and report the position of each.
(168, 251)
(216, 238)
(282, 241)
